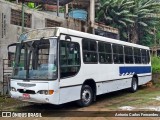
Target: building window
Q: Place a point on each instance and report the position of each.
(52, 23)
(89, 51)
(16, 18)
(118, 54)
(105, 52)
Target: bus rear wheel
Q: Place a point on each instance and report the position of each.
(86, 96)
(134, 85)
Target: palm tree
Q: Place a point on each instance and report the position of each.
(116, 13)
(147, 16)
(133, 18)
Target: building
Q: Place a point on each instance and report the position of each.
(11, 22)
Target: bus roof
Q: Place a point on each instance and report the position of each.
(97, 37)
(61, 30)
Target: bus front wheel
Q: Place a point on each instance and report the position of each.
(134, 85)
(86, 96)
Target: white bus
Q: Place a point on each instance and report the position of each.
(59, 65)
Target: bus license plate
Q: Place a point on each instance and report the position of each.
(26, 96)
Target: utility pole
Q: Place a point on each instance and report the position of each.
(58, 8)
(92, 15)
(22, 16)
(66, 11)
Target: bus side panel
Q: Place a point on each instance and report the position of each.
(99, 88)
(69, 94)
(144, 79)
(111, 86)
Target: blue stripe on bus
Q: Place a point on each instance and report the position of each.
(134, 70)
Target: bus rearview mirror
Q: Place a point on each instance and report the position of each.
(67, 37)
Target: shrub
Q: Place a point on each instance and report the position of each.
(155, 64)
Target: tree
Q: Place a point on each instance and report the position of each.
(147, 17)
(133, 18)
(116, 13)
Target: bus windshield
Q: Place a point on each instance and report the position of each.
(36, 60)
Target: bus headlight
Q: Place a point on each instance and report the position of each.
(46, 92)
(13, 89)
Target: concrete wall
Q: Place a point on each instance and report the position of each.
(9, 33)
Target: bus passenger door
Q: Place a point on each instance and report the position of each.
(69, 68)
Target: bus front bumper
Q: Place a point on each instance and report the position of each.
(35, 98)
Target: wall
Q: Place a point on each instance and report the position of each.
(9, 33)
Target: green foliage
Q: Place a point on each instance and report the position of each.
(147, 40)
(116, 13)
(31, 5)
(155, 64)
(135, 19)
(157, 28)
(147, 12)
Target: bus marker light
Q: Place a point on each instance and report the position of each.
(51, 92)
(46, 92)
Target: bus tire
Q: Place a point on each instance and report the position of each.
(86, 96)
(134, 85)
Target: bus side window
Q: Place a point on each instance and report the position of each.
(87, 57)
(108, 50)
(137, 55)
(128, 55)
(144, 56)
(89, 51)
(118, 54)
(69, 60)
(105, 52)
(148, 56)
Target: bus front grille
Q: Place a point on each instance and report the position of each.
(26, 91)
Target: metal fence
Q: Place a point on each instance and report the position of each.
(7, 71)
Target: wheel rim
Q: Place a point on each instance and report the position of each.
(134, 85)
(86, 96)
